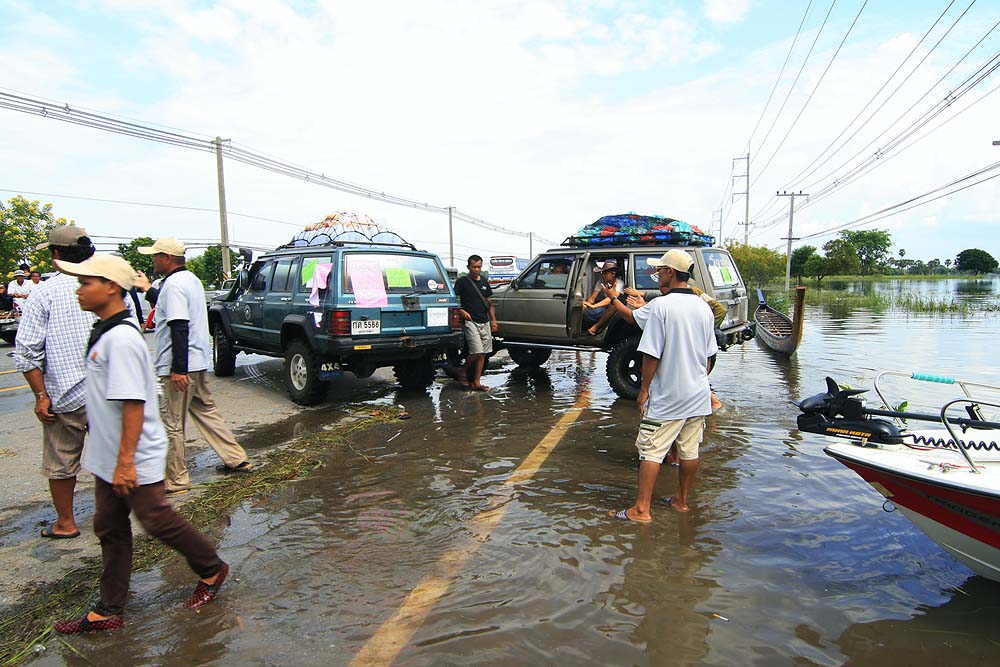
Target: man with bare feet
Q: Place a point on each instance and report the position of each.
(678, 346)
(480, 322)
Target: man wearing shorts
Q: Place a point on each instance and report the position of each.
(480, 321)
(49, 350)
(678, 346)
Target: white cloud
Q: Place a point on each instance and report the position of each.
(726, 11)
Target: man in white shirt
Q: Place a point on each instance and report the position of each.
(19, 288)
(127, 450)
(678, 347)
(182, 357)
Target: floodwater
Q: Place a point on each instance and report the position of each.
(786, 558)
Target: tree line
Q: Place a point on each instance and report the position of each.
(853, 252)
(24, 224)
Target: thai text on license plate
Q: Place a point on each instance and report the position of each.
(361, 327)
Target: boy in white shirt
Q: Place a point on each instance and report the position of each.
(127, 449)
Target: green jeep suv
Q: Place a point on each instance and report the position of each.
(340, 306)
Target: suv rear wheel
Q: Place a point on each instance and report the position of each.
(625, 368)
(301, 376)
(8, 337)
(223, 354)
(415, 374)
(530, 357)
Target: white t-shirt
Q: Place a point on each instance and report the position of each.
(14, 288)
(119, 368)
(679, 330)
(182, 297)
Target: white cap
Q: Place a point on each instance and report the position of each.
(110, 267)
(167, 245)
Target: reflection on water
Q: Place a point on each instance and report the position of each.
(787, 558)
(973, 291)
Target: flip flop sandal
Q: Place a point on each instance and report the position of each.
(622, 515)
(48, 533)
(246, 466)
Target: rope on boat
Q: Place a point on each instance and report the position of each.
(948, 443)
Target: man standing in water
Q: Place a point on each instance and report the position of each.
(183, 355)
(480, 321)
(678, 347)
(127, 450)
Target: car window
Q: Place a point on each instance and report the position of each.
(547, 273)
(645, 275)
(280, 281)
(392, 274)
(721, 269)
(259, 280)
(308, 270)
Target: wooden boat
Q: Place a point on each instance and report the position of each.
(775, 329)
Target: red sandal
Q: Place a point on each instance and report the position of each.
(84, 624)
(205, 593)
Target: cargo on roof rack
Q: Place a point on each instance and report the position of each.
(632, 229)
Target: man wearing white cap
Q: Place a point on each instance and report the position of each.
(19, 288)
(182, 357)
(678, 347)
(127, 449)
(49, 350)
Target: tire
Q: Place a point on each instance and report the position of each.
(301, 374)
(223, 354)
(625, 368)
(8, 337)
(417, 374)
(529, 357)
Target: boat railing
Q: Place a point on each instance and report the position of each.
(951, 429)
(963, 385)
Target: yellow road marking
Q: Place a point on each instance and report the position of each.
(396, 632)
(20, 386)
(6, 372)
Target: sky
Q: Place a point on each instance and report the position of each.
(538, 116)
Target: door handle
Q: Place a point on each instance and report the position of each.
(258, 298)
(286, 298)
(558, 296)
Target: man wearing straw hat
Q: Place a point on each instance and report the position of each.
(127, 449)
(182, 357)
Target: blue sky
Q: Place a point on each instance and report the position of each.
(537, 116)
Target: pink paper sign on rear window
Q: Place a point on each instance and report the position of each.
(367, 284)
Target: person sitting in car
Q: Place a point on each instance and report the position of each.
(595, 305)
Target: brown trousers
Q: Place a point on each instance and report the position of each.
(197, 402)
(158, 518)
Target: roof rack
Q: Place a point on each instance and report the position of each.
(632, 229)
(346, 244)
(345, 229)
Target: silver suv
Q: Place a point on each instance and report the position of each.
(542, 309)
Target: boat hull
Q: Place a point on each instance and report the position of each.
(769, 323)
(961, 514)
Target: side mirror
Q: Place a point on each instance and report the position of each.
(515, 284)
(244, 280)
(247, 255)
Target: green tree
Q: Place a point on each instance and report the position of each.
(976, 261)
(208, 265)
(817, 267)
(139, 262)
(842, 257)
(799, 258)
(758, 265)
(23, 225)
(872, 246)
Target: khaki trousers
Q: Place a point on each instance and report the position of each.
(197, 402)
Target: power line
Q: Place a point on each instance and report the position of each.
(40, 107)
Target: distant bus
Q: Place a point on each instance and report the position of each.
(502, 269)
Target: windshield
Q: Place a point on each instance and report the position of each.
(393, 274)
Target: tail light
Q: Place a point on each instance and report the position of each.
(455, 319)
(340, 322)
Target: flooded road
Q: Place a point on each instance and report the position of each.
(476, 533)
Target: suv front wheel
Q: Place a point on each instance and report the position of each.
(529, 357)
(625, 368)
(301, 375)
(223, 354)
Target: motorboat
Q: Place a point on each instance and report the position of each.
(775, 329)
(944, 476)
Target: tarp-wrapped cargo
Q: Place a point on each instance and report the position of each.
(635, 229)
(346, 227)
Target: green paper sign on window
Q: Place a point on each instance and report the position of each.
(398, 278)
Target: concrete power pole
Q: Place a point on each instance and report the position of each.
(451, 240)
(717, 222)
(791, 217)
(531, 244)
(227, 267)
(746, 218)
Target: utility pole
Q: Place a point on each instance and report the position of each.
(227, 267)
(791, 217)
(746, 218)
(531, 244)
(451, 239)
(719, 222)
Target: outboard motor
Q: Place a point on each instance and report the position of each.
(840, 413)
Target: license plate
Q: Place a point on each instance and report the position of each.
(362, 327)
